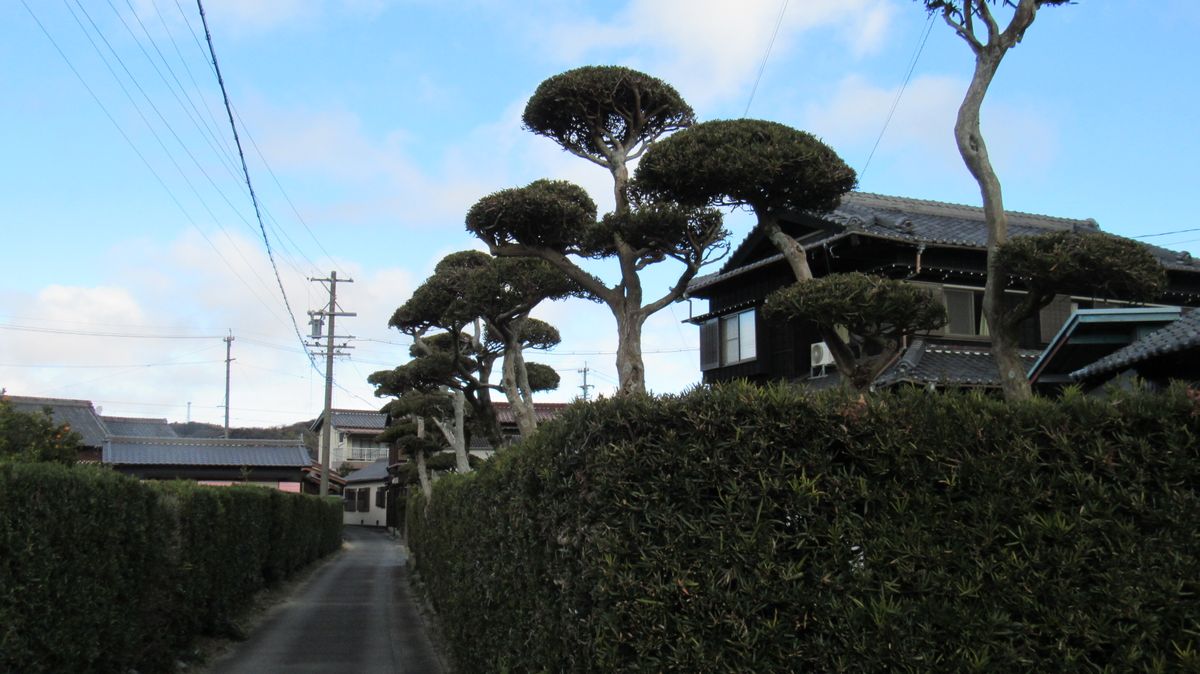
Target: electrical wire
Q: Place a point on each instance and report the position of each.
(896, 102)
(763, 65)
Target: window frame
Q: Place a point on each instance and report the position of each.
(739, 321)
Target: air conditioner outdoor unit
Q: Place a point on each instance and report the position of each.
(820, 356)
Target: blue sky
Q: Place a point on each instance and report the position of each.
(384, 121)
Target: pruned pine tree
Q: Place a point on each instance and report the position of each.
(774, 170)
(609, 116)
(416, 409)
(976, 22)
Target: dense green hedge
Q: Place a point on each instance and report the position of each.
(100, 572)
(753, 530)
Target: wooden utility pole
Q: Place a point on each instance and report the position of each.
(331, 312)
(586, 385)
(228, 360)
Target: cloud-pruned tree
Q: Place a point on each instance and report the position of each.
(976, 23)
(774, 170)
(609, 116)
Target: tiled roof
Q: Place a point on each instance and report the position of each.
(205, 452)
(353, 420)
(140, 428)
(376, 472)
(543, 411)
(1178, 336)
(78, 414)
(926, 362)
(918, 221)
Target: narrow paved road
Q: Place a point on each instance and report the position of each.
(356, 614)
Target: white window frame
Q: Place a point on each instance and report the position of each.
(739, 337)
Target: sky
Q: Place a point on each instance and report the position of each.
(370, 127)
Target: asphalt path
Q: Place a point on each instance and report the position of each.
(356, 614)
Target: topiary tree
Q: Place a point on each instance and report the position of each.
(774, 169)
(609, 116)
(552, 220)
(1089, 263)
(35, 436)
(975, 22)
(876, 312)
(414, 409)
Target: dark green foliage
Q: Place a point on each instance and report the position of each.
(553, 214)
(868, 306)
(1090, 263)
(100, 572)
(35, 437)
(766, 165)
(440, 462)
(745, 529)
(668, 229)
(617, 106)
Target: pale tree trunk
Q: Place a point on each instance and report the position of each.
(516, 389)
(631, 369)
(1014, 381)
(422, 470)
(453, 432)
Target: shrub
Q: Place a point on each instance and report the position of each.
(101, 572)
(767, 529)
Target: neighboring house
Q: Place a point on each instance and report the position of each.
(1092, 334)
(1172, 352)
(938, 246)
(79, 415)
(282, 464)
(365, 497)
(353, 435)
(135, 427)
(482, 448)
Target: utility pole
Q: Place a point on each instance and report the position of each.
(331, 311)
(189, 417)
(228, 360)
(586, 385)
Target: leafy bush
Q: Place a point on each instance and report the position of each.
(766, 529)
(34, 437)
(101, 572)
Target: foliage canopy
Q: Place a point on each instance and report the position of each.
(35, 436)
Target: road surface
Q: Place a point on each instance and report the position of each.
(356, 614)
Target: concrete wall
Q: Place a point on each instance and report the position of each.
(374, 515)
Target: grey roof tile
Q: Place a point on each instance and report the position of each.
(1178, 336)
(78, 414)
(919, 221)
(925, 362)
(138, 427)
(129, 451)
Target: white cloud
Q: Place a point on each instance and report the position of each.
(711, 49)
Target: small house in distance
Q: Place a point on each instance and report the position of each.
(365, 496)
(353, 435)
(282, 464)
(938, 246)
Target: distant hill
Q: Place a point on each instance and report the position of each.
(196, 429)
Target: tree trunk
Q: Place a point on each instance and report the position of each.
(1013, 380)
(516, 389)
(422, 470)
(631, 370)
(462, 464)
(793, 252)
(620, 174)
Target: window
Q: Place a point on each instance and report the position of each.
(960, 312)
(348, 502)
(364, 448)
(364, 499)
(738, 339)
(381, 497)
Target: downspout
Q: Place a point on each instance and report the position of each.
(920, 249)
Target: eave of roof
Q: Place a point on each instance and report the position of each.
(1097, 316)
(1183, 334)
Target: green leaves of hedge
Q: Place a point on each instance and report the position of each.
(100, 572)
(746, 529)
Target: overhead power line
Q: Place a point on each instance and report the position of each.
(101, 333)
(767, 54)
(246, 171)
(912, 65)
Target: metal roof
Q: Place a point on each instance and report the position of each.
(140, 428)
(925, 362)
(917, 221)
(1181, 335)
(131, 451)
(376, 472)
(1083, 321)
(78, 414)
(543, 411)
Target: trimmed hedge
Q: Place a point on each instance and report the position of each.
(745, 529)
(101, 572)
